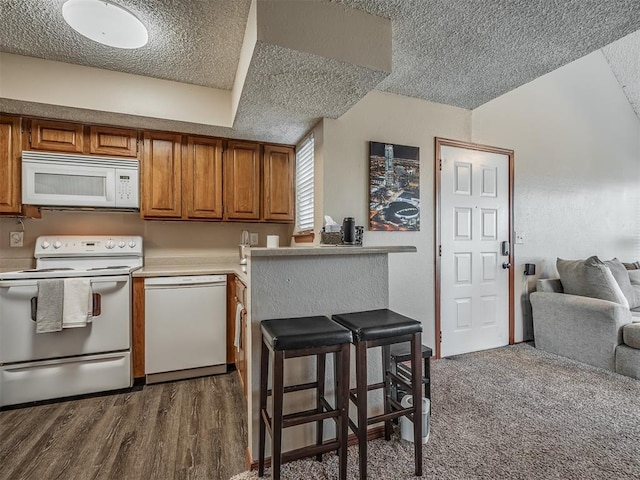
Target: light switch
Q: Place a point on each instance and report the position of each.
(253, 239)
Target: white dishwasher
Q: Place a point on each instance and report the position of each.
(185, 326)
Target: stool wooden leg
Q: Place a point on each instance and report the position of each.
(264, 374)
(386, 390)
(276, 423)
(342, 403)
(416, 384)
(427, 374)
(361, 390)
(320, 373)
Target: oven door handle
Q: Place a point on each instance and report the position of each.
(96, 310)
(34, 282)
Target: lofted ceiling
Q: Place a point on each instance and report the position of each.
(461, 52)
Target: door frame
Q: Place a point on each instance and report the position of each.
(440, 142)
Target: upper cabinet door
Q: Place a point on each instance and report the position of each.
(161, 175)
(113, 141)
(10, 133)
(57, 136)
(277, 183)
(202, 180)
(242, 181)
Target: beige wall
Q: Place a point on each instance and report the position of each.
(577, 168)
(63, 84)
(385, 117)
(161, 239)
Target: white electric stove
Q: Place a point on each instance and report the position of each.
(40, 366)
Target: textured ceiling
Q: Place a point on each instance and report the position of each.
(190, 41)
(457, 52)
(467, 52)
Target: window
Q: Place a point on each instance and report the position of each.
(304, 185)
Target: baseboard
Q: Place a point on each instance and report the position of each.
(372, 433)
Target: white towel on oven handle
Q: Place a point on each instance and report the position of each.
(237, 341)
(77, 304)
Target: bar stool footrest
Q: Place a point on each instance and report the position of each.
(307, 416)
(309, 451)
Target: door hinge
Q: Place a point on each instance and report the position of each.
(440, 336)
(440, 164)
(439, 250)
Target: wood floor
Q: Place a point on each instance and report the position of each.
(192, 429)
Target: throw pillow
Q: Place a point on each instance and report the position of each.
(632, 266)
(634, 278)
(590, 278)
(621, 275)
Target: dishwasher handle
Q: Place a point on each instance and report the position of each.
(185, 281)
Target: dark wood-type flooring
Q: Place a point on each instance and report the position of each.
(192, 429)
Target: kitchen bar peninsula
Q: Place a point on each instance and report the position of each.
(300, 281)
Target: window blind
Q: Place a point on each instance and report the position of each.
(304, 184)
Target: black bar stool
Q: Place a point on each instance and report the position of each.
(383, 328)
(400, 353)
(301, 337)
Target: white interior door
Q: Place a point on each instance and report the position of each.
(474, 275)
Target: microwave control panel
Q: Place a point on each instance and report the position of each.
(126, 188)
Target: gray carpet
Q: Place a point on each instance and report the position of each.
(513, 412)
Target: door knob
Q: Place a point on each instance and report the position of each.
(506, 265)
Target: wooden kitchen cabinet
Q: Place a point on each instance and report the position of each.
(202, 179)
(231, 318)
(241, 352)
(10, 140)
(138, 329)
(237, 294)
(174, 187)
(278, 164)
(242, 181)
(66, 137)
(121, 142)
(161, 175)
(56, 136)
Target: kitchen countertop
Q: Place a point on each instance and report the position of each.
(178, 267)
(329, 250)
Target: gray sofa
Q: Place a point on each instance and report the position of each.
(599, 332)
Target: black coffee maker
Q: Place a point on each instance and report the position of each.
(349, 231)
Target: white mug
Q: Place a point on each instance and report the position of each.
(273, 241)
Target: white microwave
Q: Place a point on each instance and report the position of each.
(59, 180)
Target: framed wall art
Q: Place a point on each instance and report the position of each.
(394, 187)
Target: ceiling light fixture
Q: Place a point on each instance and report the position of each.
(105, 22)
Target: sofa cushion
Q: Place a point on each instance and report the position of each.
(590, 278)
(549, 285)
(631, 335)
(634, 278)
(621, 275)
(632, 266)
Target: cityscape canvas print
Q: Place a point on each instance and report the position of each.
(394, 187)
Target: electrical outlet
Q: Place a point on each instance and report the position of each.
(16, 239)
(253, 239)
(519, 238)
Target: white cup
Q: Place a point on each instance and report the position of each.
(273, 241)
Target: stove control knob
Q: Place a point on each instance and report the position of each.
(132, 244)
(45, 245)
(57, 244)
(121, 244)
(110, 244)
